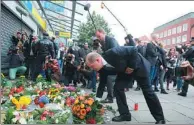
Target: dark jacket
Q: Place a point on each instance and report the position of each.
(110, 42)
(189, 54)
(28, 45)
(75, 51)
(162, 57)
(128, 56)
(45, 47)
(16, 60)
(55, 48)
(83, 52)
(152, 53)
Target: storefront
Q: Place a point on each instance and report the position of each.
(10, 24)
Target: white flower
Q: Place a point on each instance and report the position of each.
(14, 120)
(15, 113)
(59, 97)
(23, 121)
(56, 121)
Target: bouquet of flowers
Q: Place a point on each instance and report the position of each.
(87, 110)
(22, 103)
(49, 116)
(14, 117)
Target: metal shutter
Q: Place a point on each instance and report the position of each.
(10, 24)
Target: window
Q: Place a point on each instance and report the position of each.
(185, 27)
(168, 41)
(173, 40)
(164, 42)
(161, 34)
(179, 28)
(169, 32)
(174, 30)
(184, 38)
(178, 39)
(165, 33)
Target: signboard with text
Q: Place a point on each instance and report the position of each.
(63, 34)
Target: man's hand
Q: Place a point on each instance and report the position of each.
(78, 68)
(128, 70)
(190, 70)
(161, 67)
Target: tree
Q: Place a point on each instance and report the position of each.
(87, 30)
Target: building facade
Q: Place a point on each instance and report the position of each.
(175, 32)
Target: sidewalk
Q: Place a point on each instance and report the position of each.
(177, 109)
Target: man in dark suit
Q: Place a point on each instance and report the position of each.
(127, 60)
(152, 55)
(107, 43)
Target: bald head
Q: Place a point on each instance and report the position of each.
(94, 61)
(91, 57)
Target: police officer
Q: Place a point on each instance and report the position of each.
(127, 60)
(43, 48)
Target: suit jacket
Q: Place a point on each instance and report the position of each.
(162, 57)
(110, 42)
(128, 56)
(152, 53)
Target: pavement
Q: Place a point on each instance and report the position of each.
(177, 109)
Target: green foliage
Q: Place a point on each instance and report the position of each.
(87, 30)
(9, 116)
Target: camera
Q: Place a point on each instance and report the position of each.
(69, 58)
(12, 50)
(180, 71)
(181, 48)
(96, 44)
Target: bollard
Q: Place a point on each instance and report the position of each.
(136, 106)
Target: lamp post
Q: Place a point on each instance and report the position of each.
(22, 12)
(104, 6)
(87, 8)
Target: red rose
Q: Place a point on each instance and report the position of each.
(91, 121)
(36, 100)
(41, 105)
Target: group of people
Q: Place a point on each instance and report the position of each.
(117, 67)
(147, 64)
(31, 57)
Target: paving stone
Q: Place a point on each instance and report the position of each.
(143, 116)
(172, 116)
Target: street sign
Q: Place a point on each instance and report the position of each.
(63, 34)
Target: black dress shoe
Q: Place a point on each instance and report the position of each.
(122, 118)
(107, 101)
(182, 94)
(160, 122)
(156, 90)
(163, 91)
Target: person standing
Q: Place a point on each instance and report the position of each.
(29, 54)
(107, 43)
(43, 48)
(152, 56)
(127, 60)
(55, 47)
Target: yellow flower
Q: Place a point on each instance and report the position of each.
(18, 106)
(76, 101)
(22, 76)
(39, 76)
(2, 75)
(24, 100)
(82, 106)
(14, 101)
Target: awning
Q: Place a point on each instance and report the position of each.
(62, 16)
